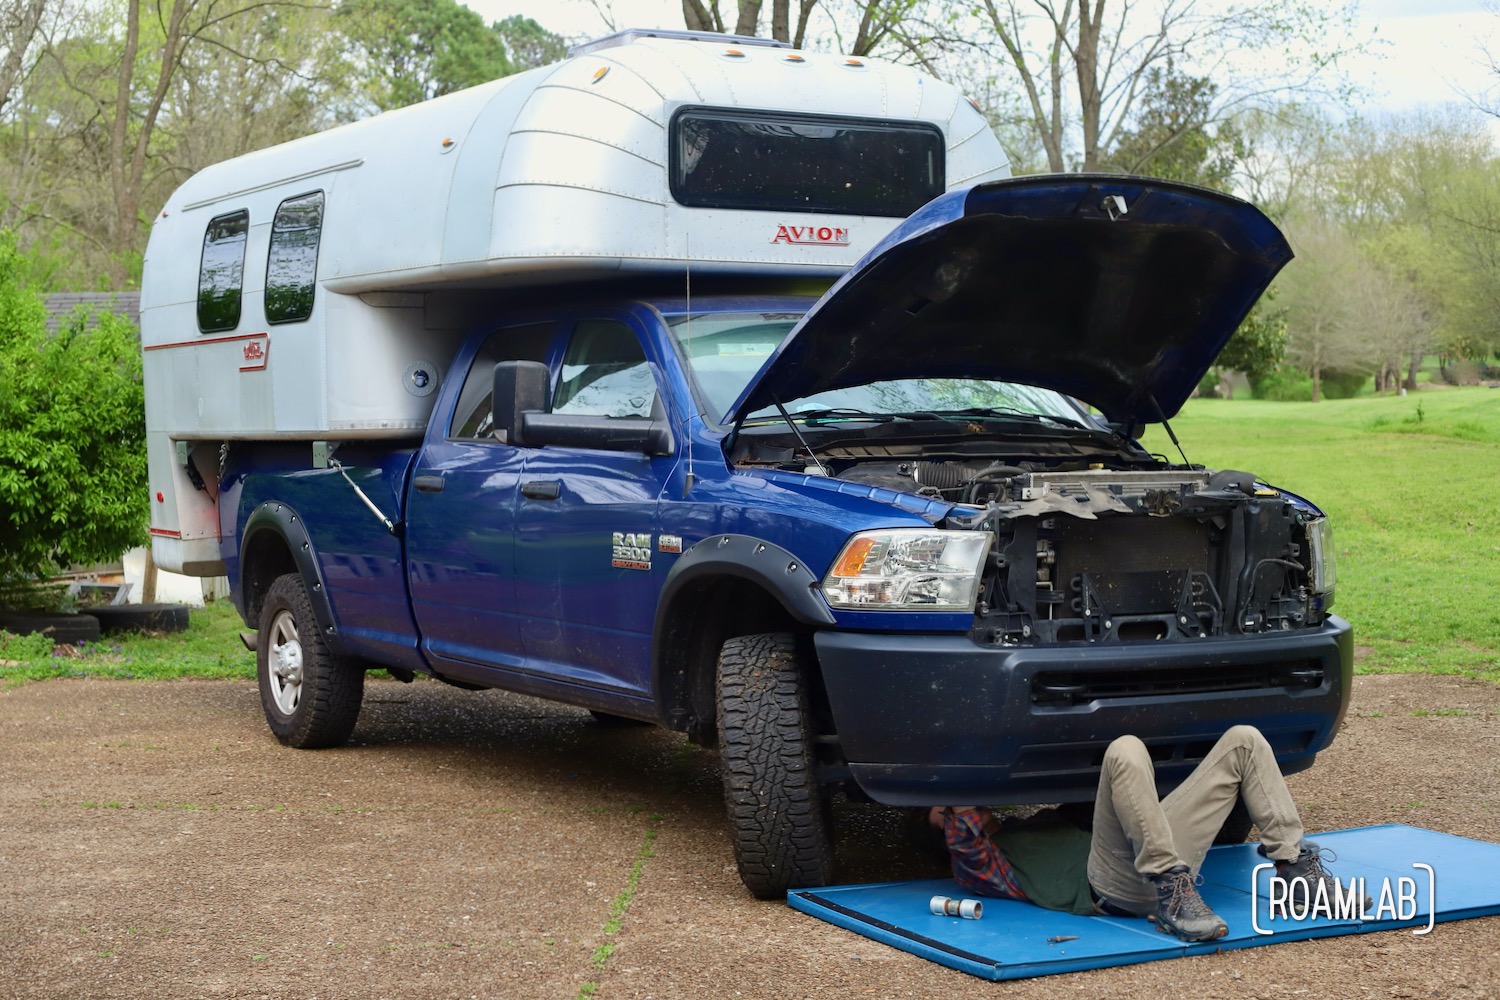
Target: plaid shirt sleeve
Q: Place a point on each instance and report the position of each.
(978, 865)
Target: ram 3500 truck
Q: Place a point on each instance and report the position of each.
(895, 537)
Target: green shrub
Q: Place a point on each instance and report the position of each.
(73, 483)
(1343, 385)
(1285, 385)
(25, 648)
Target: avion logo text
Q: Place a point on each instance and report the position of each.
(827, 236)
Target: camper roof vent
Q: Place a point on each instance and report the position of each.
(633, 34)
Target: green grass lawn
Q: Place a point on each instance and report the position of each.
(1413, 487)
(210, 647)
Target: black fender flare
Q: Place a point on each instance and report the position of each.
(280, 519)
(748, 558)
(742, 557)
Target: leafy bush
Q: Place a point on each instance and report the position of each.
(73, 485)
(35, 648)
(1285, 385)
(1343, 385)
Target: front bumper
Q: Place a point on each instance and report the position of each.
(939, 720)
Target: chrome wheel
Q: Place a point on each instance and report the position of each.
(285, 663)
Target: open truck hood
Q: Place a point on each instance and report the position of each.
(1118, 290)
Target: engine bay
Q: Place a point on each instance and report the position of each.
(1098, 541)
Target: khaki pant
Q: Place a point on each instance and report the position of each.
(1136, 836)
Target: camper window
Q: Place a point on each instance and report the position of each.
(221, 272)
(775, 161)
(292, 261)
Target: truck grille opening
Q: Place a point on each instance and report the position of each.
(1062, 688)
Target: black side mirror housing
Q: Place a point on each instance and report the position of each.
(519, 387)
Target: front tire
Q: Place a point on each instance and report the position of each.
(310, 696)
(778, 813)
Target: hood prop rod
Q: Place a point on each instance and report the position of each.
(1168, 428)
(793, 425)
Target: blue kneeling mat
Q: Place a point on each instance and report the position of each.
(1016, 940)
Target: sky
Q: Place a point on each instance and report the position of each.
(1426, 51)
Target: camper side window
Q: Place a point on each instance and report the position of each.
(222, 271)
(292, 261)
(474, 416)
(605, 373)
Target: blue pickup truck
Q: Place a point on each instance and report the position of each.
(897, 541)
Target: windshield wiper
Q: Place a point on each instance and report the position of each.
(842, 413)
(1000, 413)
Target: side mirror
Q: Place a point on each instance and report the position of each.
(650, 437)
(519, 387)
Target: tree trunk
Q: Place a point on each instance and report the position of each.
(1086, 65)
(1411, 372)
(781, 28)
(749, 18)
(1317, 379)
(697, 17)
(121, 235)
(23, 27)
(804, 11)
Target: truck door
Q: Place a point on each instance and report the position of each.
(589, 563)
(460, 522)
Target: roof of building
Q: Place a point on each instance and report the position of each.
(60, 306)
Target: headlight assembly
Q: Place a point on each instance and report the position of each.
(908, 569)
(1321, 572)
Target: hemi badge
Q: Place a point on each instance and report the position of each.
(669, 543)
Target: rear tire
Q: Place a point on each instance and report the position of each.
(65, 629)
(778, 813)
(310, 696)
(141, 617)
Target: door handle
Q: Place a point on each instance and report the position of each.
(428, 484)
(542, 489)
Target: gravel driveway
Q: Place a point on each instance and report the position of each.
(155, 841)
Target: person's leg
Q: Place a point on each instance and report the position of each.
(1134, 865)
(1132, 838)
(1241, 764)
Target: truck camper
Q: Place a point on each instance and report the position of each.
(317, 289)
(700, 381)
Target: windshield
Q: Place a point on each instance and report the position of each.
(723, 351)
(918, 397)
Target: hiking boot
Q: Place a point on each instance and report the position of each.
(1181, 911)
(1307, 868)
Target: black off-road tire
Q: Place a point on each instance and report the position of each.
(141, 617)
(778, 813)
(66, 629)
(310, 696)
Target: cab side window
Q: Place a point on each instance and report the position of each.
(292, 262)
(221, 272)
(605, 373)
(473, 417)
